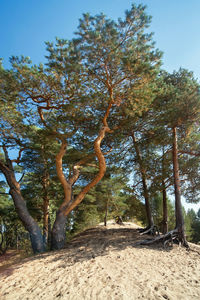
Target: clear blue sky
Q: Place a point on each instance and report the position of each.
(26, 24)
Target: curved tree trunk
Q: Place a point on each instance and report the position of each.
(145, 188)
(178, 208)
(29, 223)
(69, 203)
(58, 234)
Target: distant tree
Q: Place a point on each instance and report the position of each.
(111, 197)
(190, 217)
(157, 211)
(192, 224)
(143, 172)
(179, 104)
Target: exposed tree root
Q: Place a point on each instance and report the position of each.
(118, 220)
(168, 239)
(153, 230)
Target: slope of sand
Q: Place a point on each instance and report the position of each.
(105, 263)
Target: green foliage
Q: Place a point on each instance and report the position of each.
(108, 199)
(85, 216)
(157, 211)
(136, 209)
(111, 63)
(13, 234)
(192, 224)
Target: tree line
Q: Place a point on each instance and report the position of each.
(100, 121)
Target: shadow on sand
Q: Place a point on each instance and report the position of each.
(90, 244)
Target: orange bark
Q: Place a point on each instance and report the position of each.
(61, 176)
(100, 174)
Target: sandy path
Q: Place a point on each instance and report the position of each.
(105, 264)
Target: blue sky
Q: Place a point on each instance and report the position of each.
(26, 24)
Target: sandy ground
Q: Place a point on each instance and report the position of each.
(105, 263)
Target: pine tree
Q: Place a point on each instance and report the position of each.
(178, 106)
(76, 99)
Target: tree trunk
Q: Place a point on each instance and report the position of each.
(106, 213)
(49, 231)
(46, 221)
(29, 223)
(144, 184)
(165, 213)
(147, 203)
(69, 203)
(178, 207)
(45, 184)
(58, 233)
(17, 239)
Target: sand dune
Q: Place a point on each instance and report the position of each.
(106, 263)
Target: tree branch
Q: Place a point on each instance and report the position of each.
(61, 176)
(19, 156)
(98, 177)
(102, 163)
(189, 152)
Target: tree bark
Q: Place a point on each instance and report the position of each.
(29, 223)
(102, 169)
(58, 233)
(69, 203)
(178, 207)
(46, 220)
(106, 213)
(165, 213)
(144, 184)
(45, 185)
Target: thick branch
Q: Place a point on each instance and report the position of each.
(61, 176)
(8, 161)
(3, 167)
(84, 161)
(106, 116)
(101, 159)
(41, 116)
(100, 174)
(77, 166)
(19, 156)
(47, 107)
(21, 178)
(189, 153)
